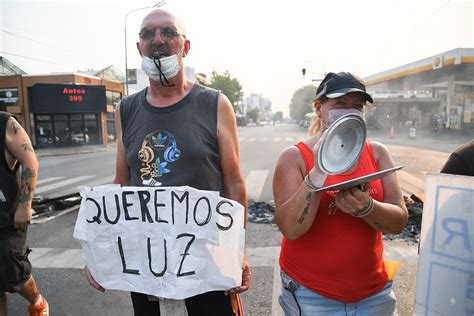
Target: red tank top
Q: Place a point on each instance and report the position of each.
(340, 256)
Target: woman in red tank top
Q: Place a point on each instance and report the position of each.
(332, 251)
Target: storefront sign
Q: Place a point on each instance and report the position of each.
(61, 98)
(8, 96)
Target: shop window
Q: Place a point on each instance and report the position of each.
(67, 129)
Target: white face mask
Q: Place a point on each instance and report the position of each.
(169, 68)
(334, 115)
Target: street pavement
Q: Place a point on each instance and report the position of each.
(56, 256)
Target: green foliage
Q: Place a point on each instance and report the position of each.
(278, 116)
(302, 102)
(229, 85)
(253, 114)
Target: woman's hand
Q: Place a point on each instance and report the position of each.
(352, 200)
(316, 175)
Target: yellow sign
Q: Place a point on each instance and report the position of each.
(467, 117)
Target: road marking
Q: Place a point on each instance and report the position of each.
(60, 258)
(47, 180)
(61, 184)
(101, 181)
(242, 138)
(57, 258)
(251, 140)
(255, 181)
(276, 139)
(264, 139)
(289, 139)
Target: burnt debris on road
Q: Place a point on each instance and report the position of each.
(262, 212)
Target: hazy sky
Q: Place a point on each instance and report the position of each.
(265, 44)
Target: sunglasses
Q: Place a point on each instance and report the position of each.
(166, 33)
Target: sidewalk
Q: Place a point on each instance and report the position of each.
(446, 140)
(73, 150)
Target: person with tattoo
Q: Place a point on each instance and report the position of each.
(331, 255)
(15, 215)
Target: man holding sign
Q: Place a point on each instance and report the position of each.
(177, 133)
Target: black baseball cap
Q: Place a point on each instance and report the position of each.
(335, 85)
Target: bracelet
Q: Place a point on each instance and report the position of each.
(310, 184)
(366, 210)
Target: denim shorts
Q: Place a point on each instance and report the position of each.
(296, 300)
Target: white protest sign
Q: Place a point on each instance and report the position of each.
(445, 277)
(171, 242)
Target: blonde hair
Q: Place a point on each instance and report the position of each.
(316, 126)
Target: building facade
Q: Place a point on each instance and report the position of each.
(64, 109)
(435, 93)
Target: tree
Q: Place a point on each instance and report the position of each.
(302, 102)
(230, 86)
(253, 114)
(278, 116)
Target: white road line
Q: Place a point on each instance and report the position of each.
(47, 180)
(101, 181)
(289, 139)
(276, 139)
(59, 258)
(242, 138)
(61, 184)
(250, 140)
(255, 181)
(264, 139)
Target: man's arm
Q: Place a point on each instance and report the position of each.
(19, 148)
(234, 185)
(122, 169)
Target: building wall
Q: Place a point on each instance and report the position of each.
(22, 109)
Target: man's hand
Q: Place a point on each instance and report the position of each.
(92, 281)
(22, 217)
(246, 279)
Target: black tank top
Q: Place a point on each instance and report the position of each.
(9, 188)
(175, 145)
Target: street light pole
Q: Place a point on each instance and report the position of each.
(159, 4)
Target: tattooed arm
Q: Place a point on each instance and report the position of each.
(19, 149)
(295, 205)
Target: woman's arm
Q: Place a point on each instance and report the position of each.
(389, 216)
(295, 204)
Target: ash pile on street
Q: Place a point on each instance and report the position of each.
(411, 232)
(47, 207)
(263, 213)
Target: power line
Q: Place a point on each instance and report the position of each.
(36, 59)
(24, 37)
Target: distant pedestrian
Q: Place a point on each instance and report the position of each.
(15, 215)
(461, 161)
(331, 256)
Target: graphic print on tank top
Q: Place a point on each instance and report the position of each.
(158, 151)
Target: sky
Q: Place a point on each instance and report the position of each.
(263, 43)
